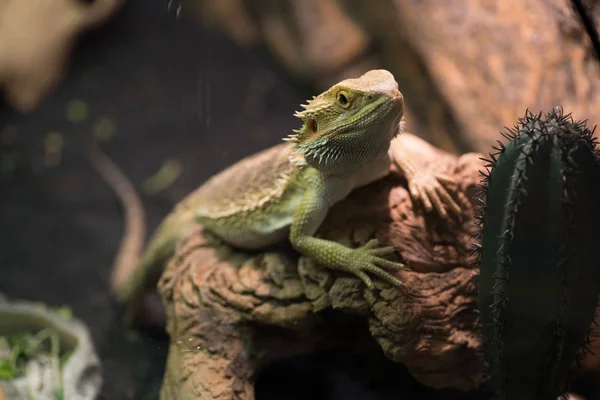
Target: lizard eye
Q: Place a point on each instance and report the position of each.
(342, 99)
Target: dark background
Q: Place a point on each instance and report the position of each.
(174, 90)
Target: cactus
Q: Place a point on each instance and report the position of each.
(539, 254)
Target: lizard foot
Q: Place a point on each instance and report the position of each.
(427, 188)
(368, 258)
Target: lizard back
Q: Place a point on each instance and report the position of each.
(251, 203)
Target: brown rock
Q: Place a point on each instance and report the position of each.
(230, 313)
(466, 68)
(315, 39)
(230, 15)
(35, 42)
(490, 60)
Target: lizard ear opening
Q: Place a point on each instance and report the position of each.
(309, 132)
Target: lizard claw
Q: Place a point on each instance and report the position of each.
(427, 188)
(368, 258)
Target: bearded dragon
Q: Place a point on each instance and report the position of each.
(287, 190)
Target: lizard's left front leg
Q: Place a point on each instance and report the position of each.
(360, 261)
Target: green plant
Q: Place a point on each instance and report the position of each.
(539, 254)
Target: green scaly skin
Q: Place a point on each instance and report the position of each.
(287, 190)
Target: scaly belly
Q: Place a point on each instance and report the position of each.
(258, 228)
(251, 239)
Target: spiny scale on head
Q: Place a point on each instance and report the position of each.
(302, 115)
(310, 108)
(293, 137)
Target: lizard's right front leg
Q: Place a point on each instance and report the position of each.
(360, 261)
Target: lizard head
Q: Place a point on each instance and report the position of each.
(351, 123)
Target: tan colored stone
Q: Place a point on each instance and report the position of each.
(36, 40)
(227, 319)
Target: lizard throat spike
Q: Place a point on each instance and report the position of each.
(291, 138)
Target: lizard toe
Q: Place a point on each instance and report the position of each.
(382, 251)
(387, 264)
(371, 244)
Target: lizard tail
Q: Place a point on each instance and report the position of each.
(132, 241)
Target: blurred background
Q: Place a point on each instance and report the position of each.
(178, 90)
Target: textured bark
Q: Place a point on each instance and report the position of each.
(230, 313)
(35, 43)
(466, 68)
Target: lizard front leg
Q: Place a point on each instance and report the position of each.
(424, 186)
(360, 261)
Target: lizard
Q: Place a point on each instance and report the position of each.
(285, 191)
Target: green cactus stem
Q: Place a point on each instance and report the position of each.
(539, 254)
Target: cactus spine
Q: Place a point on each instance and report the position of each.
(539, 254)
